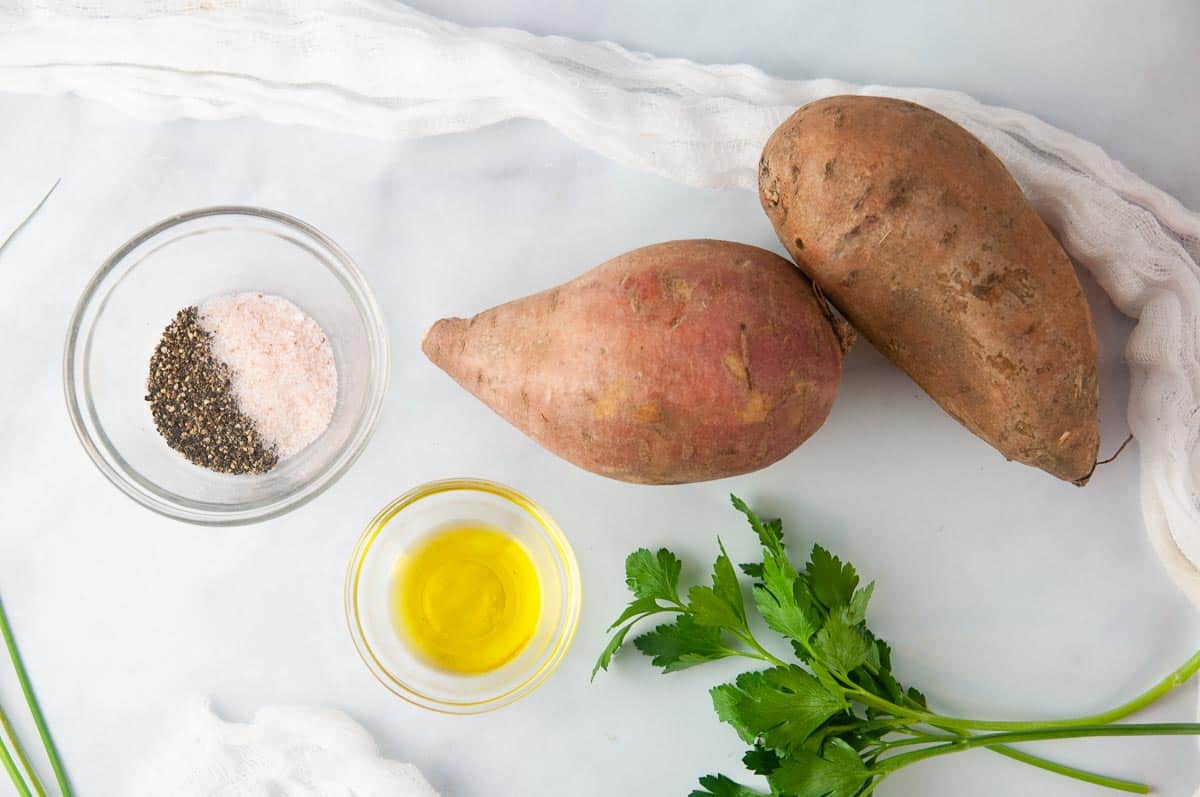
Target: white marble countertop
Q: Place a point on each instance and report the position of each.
(1004, 592)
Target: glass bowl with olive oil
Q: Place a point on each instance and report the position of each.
(462, 596)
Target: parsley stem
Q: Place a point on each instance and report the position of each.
(763, 653)
(1176, 679)
(11, 766)
(31, 701)
(866, 725)
(918, 738)
(1040, 735)
(1057, 768)
(860, 695)
(18, 752)
(1046, 764)
(866, 698)
(1130, 786)
(870, 789)
(637, 618)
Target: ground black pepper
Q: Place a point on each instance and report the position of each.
(192, 401)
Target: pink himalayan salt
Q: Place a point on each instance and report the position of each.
(281, 366)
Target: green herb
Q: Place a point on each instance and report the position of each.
(10, 766)
(39, 721)
(18, 752)
(834, 721)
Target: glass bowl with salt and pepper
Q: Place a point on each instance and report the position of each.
(226, 365)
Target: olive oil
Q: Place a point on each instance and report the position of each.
(467, 599)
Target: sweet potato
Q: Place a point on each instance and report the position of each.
(917, 233)
(679, 362)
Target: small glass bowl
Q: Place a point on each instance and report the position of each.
(183, 261)
(409, 520)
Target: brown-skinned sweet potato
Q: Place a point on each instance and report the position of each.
(678, 362)
(918, 234)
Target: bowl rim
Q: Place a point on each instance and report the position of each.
(105, 456)
(564, 553)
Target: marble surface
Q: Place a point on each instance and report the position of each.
(1004, 592)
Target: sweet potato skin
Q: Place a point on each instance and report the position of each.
(918, 234)
(679, 362)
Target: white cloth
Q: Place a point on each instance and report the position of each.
(284, 752)
(380, 69)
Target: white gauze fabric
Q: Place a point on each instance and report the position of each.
(284, 752)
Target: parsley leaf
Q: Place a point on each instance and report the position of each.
(637, 607)
(709, 609)
(838, 772)
(721, 786)
(722, 605)
(818, 669)
(761, 760)
(885, 653)
(782, 706)
(770, 532)
(682, 644)
(726, 585)
(653, 576)
(841, 647)
(784, 601)
(610, 649)
(752, 569)
(833, 583)
(876, 673)
(856, 611)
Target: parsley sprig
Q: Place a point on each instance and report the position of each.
(834, 721)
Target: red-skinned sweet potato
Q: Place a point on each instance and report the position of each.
(678, 362)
